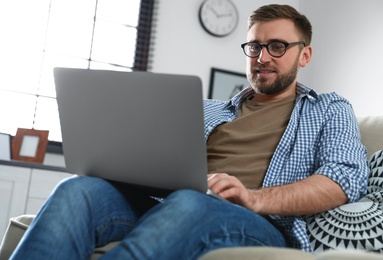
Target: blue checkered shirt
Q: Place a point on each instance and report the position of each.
(322, 137)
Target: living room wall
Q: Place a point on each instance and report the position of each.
(346, 42)
(347, 51)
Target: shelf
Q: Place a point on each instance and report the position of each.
(33, 165)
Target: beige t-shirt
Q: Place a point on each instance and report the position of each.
(245, 146)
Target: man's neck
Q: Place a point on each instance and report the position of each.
(262, 98)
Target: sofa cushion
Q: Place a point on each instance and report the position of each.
(274, 253)
(356, 225)
(371, 130)
(257, 253)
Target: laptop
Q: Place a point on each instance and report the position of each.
(141, 128)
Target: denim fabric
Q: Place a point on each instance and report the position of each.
(84, 212)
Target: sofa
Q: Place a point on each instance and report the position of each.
(351, 231)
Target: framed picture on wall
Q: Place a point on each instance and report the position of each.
(226, 84)
(29, 145)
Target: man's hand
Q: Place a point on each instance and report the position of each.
(314, 194)
(230, 188)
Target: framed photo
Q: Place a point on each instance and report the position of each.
(29, 145)
(226, 84)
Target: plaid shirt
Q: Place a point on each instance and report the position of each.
(322, 137)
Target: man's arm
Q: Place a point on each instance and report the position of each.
(314, 194)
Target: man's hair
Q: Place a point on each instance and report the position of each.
(274, 12)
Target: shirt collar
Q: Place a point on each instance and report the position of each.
(301, 90)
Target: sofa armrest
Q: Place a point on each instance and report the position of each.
(15, 231)
(274, 253)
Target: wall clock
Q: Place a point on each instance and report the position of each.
(218, 17)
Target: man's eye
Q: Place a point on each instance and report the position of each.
(276, 47)
(253, 48)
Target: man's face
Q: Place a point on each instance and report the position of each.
(269, 75)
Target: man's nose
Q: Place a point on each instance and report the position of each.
(264, 55)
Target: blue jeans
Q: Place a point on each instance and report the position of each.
(83, 213)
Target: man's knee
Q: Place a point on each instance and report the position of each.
(192, 202)
(76, 182)
(78, 187)
(189, 197)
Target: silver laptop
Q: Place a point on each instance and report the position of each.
(136, 127)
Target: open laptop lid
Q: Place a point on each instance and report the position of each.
(138, 127)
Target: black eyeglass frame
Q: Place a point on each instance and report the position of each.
(286, 44)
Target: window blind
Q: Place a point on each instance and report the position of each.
(147, 17)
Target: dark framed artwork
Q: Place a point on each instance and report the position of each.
(29, 145)
(226, 84)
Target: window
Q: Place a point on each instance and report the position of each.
(37, 36)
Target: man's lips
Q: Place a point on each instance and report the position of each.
(264, 72)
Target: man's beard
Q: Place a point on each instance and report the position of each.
(281, 83)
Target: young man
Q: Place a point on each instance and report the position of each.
(277, 151)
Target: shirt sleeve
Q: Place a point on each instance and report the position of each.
(341, 155)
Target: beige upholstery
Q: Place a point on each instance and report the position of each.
(372, 137)
(269, 253)
(371, 130)
(13, 234)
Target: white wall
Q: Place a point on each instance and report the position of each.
(348, 51)
(350, 68)
(183, 47)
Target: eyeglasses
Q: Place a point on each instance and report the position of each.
(276, 49)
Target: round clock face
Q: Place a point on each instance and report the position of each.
(218, 17)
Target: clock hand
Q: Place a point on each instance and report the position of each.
(225, 15)
(214, 11)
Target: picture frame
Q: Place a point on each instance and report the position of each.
(29, 145)
(225, 84)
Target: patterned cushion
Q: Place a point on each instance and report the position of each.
(356, 225)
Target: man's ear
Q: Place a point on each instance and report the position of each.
(305, 56)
